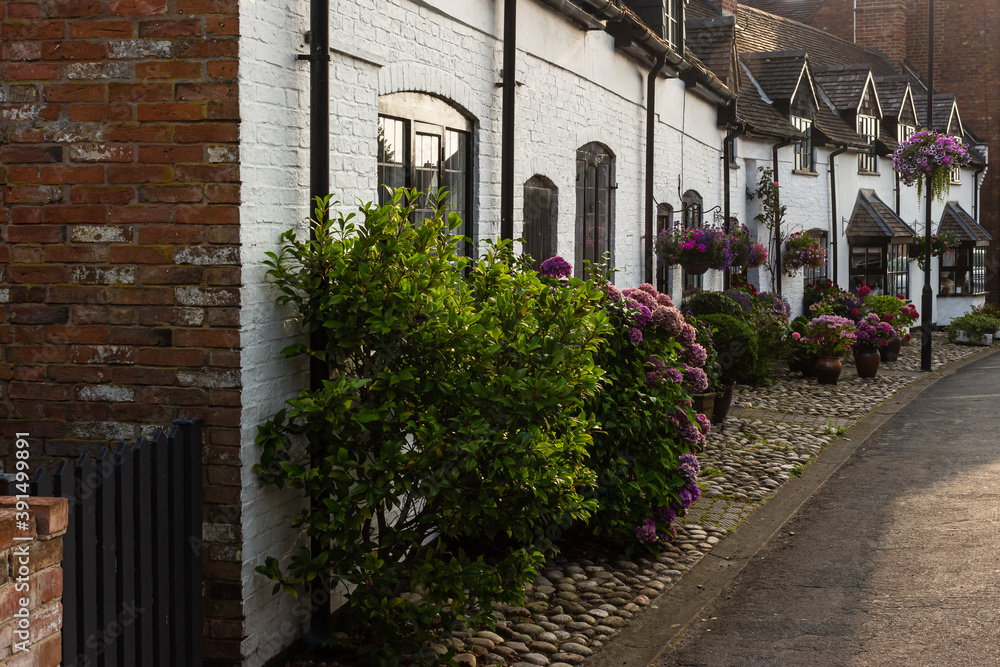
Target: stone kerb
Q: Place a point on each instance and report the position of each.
(31, 581)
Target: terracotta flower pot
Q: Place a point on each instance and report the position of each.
(696, 268)
(704, 403)
(723, 401)
(891, 352)
(828, 370)
(867, 358)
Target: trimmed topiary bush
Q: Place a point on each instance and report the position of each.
(736, 348)
(713, 303)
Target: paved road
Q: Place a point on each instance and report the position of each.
(894, 562)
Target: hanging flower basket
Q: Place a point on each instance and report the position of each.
(801, 251)
(744, 251)
(940, 244)
(696, 249)
(927, 158)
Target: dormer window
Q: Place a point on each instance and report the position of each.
(803, 148)
(956, 172)
(675, 24)
(904, 132)
(868, 128)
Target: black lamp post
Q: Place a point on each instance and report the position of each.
(927, 300)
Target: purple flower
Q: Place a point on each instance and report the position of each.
(556, 267)
(687, 334)
(695, 378)
(673, 375)
(646, 531)
(689, 468)
(668, 319)
(640, 296)
(667, 515)
(613, 295)
(704, 423)
(634, 335)
(641, 316)
(695, 355)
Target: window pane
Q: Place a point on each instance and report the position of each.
(581, 215)
(540, 213)
(428, 156)
(947, 282)
(456, 175)
(948, 258)
(393, 135)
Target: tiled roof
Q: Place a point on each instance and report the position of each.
(711, 40)
(762, 31)
(844, 85)
(943, 105)
(761, 117)
(702, 9)
(796, 10)
(833, 127)
(777, 72)
(955, 219)
(872, 217)
(891, 92)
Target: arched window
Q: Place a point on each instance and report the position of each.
(691, 217)
(425, 143)
(595, 205)
(541, 212)
(664, 221)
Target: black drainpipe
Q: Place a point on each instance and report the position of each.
(834, 236)
(975, 193)
(319, 186)
(727, 159)
(507, 125)
(777, 205)
(661, 61)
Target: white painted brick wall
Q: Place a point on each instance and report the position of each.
(273, 168)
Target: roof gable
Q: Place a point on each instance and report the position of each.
(871, 217)
(956, 220)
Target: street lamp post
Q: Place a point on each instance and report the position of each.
(927, 300)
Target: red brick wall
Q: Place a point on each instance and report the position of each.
(835, 17)
(119, 257)
(967, 63)
(882, 24)
(46, 526)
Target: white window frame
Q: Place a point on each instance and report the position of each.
(803, 148)
(868, 128)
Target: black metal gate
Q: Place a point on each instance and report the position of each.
(132, 579)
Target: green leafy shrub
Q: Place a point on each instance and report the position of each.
(975, 326)
(455, 411)
(736, 346)
(647, 422)
(713, 303)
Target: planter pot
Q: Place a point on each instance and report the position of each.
(696, 268)
(704, 403)
(867, 358)
(809, 367)
(723, 401)
(963, 337)
(891, 352)
(828, 370)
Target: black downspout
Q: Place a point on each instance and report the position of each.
(777, 208)
(834, 235)
(727, 159)
(975, 193)
(507, 126)
(319, 186)
(661, 61)
(897, 189)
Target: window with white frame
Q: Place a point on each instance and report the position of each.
(675, 23)
(803, 148)
(956, 172)
(868, 128)
(811, 275)
(904, 132)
